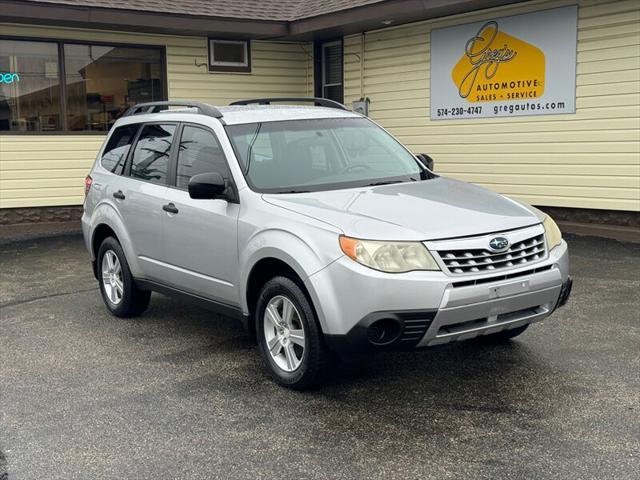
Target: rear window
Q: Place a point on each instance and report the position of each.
(115, 153)
(150, 160)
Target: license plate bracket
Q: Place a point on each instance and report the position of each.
(508, 289)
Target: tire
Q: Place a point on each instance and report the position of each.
(119, 291)
(504, 335)
(314, 358)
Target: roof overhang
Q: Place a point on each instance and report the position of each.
(344, 22)
(384, 14)
(15, 11)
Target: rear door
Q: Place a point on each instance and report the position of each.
(201, 235)
(141, 194)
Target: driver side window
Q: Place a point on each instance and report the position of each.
(199, 152)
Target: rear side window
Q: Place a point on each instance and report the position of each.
(199, 152)
(115, 153)
(151, 154)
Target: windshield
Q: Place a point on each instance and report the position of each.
(320, 154)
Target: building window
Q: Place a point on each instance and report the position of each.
(29, 87)
(102, 82)
(72, 87)
(332, 71)
(229, 56)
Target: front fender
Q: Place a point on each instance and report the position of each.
(304, 257)
(106, 214)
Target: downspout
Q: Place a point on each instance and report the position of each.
(310, 60)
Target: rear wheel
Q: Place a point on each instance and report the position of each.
(504, 335)
(289, 337)
(117, 286)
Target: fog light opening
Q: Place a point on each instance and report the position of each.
(384, 331)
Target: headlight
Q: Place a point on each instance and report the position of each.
(392, 257)
(554, 236)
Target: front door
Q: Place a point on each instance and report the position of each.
(201, 235)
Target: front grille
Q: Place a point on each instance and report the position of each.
(520, 253)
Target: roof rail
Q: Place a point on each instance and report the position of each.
(321, 102)
(154, 107)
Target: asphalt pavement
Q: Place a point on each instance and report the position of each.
(181, 394)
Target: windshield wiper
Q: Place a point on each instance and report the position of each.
(293, 191)
(388, 182)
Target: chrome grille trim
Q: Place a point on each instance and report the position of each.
(472, 256)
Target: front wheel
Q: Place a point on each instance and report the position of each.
(289, 337)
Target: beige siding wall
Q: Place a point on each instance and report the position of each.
(50, 170)
(590, 159)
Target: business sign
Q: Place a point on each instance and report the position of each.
(503, 67)
(8, 77)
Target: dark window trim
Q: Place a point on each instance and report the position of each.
(172, 174)
(127, 168)
(127, 161)
(229, 68)
(173, 161)
(62, 78)
(317, 69)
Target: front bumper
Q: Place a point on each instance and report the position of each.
(420, 309)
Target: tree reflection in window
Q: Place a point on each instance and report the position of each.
(151, 155)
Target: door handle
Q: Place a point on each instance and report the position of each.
(170, 207)
(119, 195)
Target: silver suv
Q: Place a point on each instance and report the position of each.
(316, 228)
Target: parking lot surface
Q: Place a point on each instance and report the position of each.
(179, 393)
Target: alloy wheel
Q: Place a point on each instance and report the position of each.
(284, 333)
(112, 277)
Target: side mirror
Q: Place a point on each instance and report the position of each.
(207, 185)
(426, 159)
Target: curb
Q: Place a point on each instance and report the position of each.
(35, 231)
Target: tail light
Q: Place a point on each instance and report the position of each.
(87, 184)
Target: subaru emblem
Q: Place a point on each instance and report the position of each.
(498, 244)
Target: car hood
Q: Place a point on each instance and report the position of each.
(426, 210)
